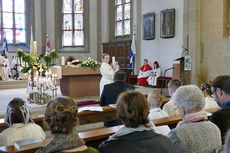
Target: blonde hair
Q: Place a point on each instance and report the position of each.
(61, 115)
(155, 99)
(133, 109)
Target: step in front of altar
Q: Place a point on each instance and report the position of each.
(13, 84)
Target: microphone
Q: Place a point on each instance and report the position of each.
(164, 76)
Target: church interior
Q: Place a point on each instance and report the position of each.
(81, 61)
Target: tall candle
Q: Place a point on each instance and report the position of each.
(62, 60)
(113, 60)
(35, 47)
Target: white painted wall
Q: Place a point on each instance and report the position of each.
(163, 50)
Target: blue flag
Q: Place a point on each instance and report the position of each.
(5, 46)
(132, 52)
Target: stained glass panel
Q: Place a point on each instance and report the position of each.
(127, 11)
(67, 38)
(7, 20)
(9, 35)
(78, 21)
(79, 38)
(127, 27)
(7, 5)
(67, 6)
(119, 13)
(119, 28)
(67, 22)
(78, 6)
(19, 21)
(19, 6)
(20, 36)
(118, 2)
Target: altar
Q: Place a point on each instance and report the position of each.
(80, 81)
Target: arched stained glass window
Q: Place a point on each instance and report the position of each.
(13, 21)
(73, 25)
(122, 17)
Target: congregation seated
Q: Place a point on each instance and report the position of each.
(137, 134)
(21, 126)
(170, 107)
(194, 133)
(144, 73)
(154, 74)
(61, 117)
(111, 92)
(210, 102)
(155, 101)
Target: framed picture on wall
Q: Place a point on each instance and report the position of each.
(149, 26)
(167, 21)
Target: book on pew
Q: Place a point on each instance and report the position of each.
(28, 143)
(163, 129)
(113, 105)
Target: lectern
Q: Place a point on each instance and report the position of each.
(179, 71)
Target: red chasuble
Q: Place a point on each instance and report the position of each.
(144, 74)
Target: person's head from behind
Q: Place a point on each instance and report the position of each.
(17, 112)
(120, 76)
(221, 89)
(133, 109)
(156, 65)
(61, 115)
(173, 85)
(145, 61)
(188, 99)
(155, 99)
(206, 89)
(105, 58)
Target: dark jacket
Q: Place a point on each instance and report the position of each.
(138, 142)
(110, 94)
(222, 119)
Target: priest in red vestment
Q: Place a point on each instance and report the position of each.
(144, 73)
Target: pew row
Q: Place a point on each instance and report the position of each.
(108, 114)
(92, 137)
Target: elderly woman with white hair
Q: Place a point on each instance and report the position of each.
(194, 134)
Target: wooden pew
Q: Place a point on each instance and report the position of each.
(92, 137)
(85, 117)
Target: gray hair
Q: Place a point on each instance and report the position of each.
(154, 99)
(189, 97)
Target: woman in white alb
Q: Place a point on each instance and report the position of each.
(155, 73)
(107, 72)
(210, 102)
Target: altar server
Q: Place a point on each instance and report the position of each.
(3, 68)
(155, 73)
(144, 73)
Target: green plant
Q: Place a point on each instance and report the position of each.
(36, 63)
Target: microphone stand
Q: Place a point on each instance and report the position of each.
(163, 81)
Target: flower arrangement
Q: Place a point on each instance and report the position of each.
(36, 63)
(90, 63)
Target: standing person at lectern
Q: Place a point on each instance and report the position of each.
(107, 72)
(155, 73)
(144, 73)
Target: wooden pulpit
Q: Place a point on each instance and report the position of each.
(180, 73)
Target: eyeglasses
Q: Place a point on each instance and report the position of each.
(213, 91)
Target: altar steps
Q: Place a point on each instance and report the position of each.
(13, 84)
